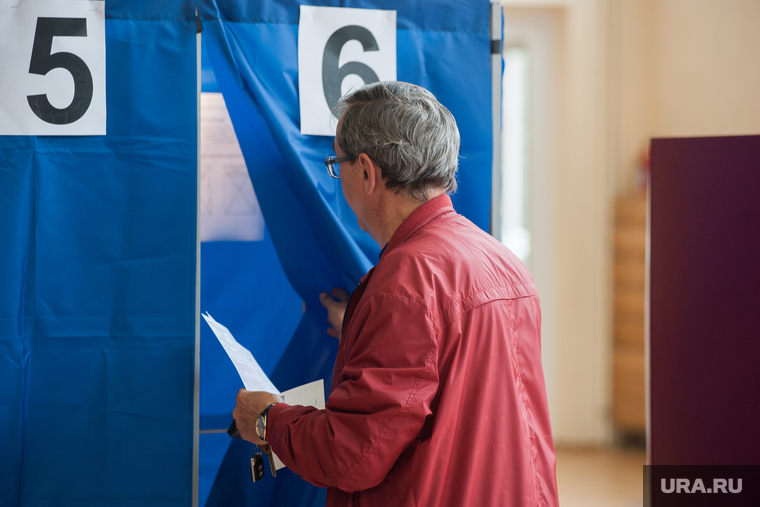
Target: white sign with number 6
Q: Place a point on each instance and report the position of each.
(52, 68)
(340, 49)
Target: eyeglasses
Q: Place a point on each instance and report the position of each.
(333, 165)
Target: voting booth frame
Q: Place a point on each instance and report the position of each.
(103, 277)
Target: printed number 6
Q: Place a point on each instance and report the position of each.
(331, 80)
(43, 62)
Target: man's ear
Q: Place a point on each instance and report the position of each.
(372, 175)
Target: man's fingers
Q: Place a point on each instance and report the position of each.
(326, 300)
(336, 307)
(340, 294)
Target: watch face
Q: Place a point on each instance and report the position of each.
(260, 427)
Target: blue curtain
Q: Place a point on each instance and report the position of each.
(443, 45)
(97, 283)
(244, 287)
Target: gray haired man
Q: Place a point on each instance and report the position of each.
(438, 393)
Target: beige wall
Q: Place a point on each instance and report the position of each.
(579, 372)
(581, 413)
(628, 70)
(687, 68)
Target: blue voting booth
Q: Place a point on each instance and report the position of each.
(97, 283)
(253, 49)
(98, 264)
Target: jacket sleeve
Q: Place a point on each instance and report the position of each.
(386, 388)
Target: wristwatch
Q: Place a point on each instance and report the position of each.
(261, 423)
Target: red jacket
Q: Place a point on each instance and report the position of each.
(438, 394)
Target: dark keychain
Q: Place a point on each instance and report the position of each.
(257, 466)
(272, 467)
(257, 462)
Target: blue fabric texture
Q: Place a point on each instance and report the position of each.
(244, 287)
(443, 45)
(97, 283)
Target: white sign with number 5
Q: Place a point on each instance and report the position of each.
(340, 49)
(52, 68)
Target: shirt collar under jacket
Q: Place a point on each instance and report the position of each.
(431, 209)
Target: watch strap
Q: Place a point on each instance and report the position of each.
(264, 419)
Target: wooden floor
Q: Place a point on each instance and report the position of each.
(600, 478)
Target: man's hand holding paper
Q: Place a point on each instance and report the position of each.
(259, 391)
(248, 406)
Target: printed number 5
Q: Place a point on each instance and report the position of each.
(43, 62)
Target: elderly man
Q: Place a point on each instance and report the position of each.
(438, 394)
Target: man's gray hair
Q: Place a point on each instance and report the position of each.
(404, 130)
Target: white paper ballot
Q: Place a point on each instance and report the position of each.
(254, 378)
(312, 394)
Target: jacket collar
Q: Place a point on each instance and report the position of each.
(424, 214)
